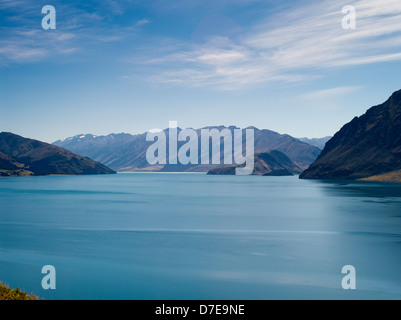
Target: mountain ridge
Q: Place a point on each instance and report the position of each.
(273, 163)
(21, 156)
(369, 146)
(126, 152)
(317, 142)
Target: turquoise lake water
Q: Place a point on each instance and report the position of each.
(193, 236)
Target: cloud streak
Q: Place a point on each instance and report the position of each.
(22, 39)
(290, 47)
(142, 22)
(297, 44)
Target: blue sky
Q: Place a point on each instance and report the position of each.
(131, 66)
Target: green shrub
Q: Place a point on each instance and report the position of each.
(14, 294)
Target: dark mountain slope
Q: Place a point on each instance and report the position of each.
(274, 163)
(39, 158)
(367, 146)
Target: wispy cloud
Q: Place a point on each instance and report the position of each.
(7, 4)
(24, 40)
(289, 47)
(331, 93)
(78, 30)
(142, 22)
(299, 43)
(16, 53)
(25, 45)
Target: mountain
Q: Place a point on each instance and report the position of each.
(317, 142)
(10, 167)
(25, 157)
(301, 153)
(125, 152)
(368, 148)
(273, 163)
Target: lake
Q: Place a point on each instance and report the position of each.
(194, 236)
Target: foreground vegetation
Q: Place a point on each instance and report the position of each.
(14, 294)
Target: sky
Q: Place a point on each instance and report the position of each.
(134, 65)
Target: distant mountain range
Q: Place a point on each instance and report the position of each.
(367, 148)
(26, 157)
(317, 142)
(126, 152)
(273, 163)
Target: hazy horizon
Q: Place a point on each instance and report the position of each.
(139, 133)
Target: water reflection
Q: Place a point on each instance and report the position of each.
(363, 189)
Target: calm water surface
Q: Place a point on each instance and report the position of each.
(193, 236)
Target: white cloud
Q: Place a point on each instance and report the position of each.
(142, 22)
(16, 53)
(288, 47)
(6, 4)
(77, 30)
(25, 45)
(329, 93)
